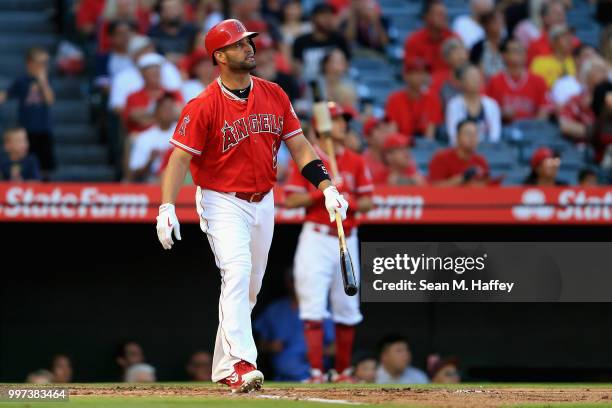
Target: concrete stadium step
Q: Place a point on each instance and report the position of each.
(21, 43)
(34, 22)
(84, 173)
(65, 88)
(22, 5)
(75, 134)
(12, 27)
(69, 88)
(27, 18)
(72, 112)
(12, 65)
(81, 154)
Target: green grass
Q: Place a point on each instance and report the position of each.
(218, 400)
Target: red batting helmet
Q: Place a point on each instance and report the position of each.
(225, 33)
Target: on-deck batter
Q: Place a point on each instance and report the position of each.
(317, 265)
(229, 137)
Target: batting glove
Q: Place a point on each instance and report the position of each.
(166, 224)
(334, 201)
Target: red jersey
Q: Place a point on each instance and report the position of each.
(524, 97)
(234, 141)
(446, 164)
(378, 169)
(421, 44)
(143, 99)
(542, 46)
(356, 181)
(578, 109)
(412, 116)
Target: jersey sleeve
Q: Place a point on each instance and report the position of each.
(296, 183)
(364, 182)
(291, 124)
(192, 128)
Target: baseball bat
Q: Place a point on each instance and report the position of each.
(324, 125)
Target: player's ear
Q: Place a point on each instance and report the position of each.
(220, 57)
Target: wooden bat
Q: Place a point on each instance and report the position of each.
(323, 126)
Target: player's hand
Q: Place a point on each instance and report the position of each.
(166, 224)
(334, 201)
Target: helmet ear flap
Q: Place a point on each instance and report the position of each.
(253, 45)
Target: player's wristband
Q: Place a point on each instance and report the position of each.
(315, 172)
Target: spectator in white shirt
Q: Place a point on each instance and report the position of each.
(201, 71)
(108, 65)
(151, 145)
(568, 86)
(468, 27)
(130, 80)
(472, 105)
(395, 363)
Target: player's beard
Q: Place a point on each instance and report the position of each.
(241, 66)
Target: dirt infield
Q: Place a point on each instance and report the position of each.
(463, 396)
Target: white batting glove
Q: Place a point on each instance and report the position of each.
(334, 201)
(166, 224)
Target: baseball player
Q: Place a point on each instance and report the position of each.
(317, 264)
(228, 137)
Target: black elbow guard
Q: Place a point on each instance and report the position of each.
(315, 172)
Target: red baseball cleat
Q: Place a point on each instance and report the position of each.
(245, 378)
(316, 377)
(344, 377)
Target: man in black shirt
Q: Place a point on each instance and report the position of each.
(309, 49)
(266, 58)
(35, 97)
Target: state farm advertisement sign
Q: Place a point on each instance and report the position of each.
(90, 202)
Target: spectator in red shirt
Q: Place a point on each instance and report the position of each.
(552, 14)
(87, 15)
(460, 165)
(545, 164)
(576, 117)
(519, 93)
(426, 43)
(376, 131)
(401, 167)
(125, 10)
(416, 112)
(139, 109)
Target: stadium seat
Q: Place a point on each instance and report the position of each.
(516, 176)
(499, 156)
(568, 176)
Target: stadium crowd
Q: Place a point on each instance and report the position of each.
(287, 354)
(506, 92)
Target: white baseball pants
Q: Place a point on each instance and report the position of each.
(240, 234)
(318, 276)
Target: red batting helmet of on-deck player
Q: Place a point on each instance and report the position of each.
(225, 33)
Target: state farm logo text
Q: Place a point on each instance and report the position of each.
(571, 205)
(87, 202)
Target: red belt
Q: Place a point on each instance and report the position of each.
(252, 197)
(331, 230)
